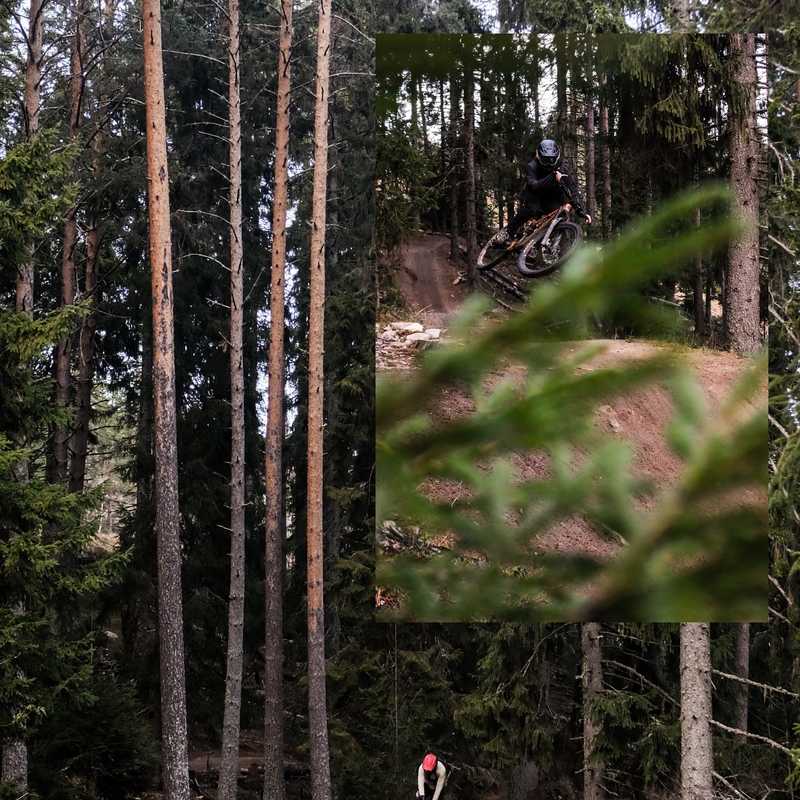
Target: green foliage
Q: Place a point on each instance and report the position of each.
(720, 544)
(46, 569)
(35, 189)
(107, 742)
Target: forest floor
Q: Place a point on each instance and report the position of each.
(426, 279)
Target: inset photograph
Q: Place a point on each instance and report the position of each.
(572, 383)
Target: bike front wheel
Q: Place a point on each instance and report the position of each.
(536, 260)
(494, 251)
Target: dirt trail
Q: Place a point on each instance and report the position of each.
(641, 417)
(426, 280)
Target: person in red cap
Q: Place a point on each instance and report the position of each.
(431, 778)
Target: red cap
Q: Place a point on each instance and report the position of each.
(429, 762)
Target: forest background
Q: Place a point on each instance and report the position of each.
(83, 696)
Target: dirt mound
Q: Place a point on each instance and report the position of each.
(641, 418)
(428, 280)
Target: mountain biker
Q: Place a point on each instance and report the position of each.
(431, 777)
(546, 188)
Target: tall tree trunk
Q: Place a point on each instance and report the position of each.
(605, 146)
(469, 147)
(86, 339)
(592, 687)
(590, 155)
(453, 167)
(174, 752)
(742, 307)
(63, 349)
(423, 115)
(229, 761)
(86, 350)
(561, 90)
(317, 712)
(523, 780)
(743, 671)
(274, 786)
(33, 78)
(699, 309)
(697, 760)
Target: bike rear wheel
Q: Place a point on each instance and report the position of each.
(494, 251)
(536, 260)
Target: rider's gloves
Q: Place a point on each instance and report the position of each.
(588, 218)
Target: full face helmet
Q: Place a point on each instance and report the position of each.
(429, 762)
(548, 154)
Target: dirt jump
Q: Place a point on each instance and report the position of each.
(432, 292)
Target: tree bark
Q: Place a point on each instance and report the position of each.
(174, 754)
(561, 89)
(453, 166)
(697, 762)
(592, 687)
(590, 154)
(605, 146)
(86, 350)
(743, 671)
(274, 786)
(742, 307)
(86, 340)
(229, 759)
(523, 780)
(469, 147)
(33, 78)
(63, 349)
(317, 711)
(699, 308)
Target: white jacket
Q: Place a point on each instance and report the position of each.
(441, 774)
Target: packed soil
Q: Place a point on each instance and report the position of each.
(426, 281)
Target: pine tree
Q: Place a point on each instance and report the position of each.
(317, 706)
(229, 765)
(469, 156)
(63, 350)
(742, 307)
(592, 687)
(274, 786)
(696, 741)
(174, 745)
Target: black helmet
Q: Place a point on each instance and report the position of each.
(548, 153)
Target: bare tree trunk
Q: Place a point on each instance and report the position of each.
(592, 687)
(697, 759)
(699, 309)
(86, 340)
(469, 146)
(63, 349)
(743, 671)
(590, 155)
(317, 710)
(561, 90)
(453, 180)
(605, 145)
(229, 758)
(83, 410)
(274, 787)
(422, 115)
(742, 307)
(174, 754)
(33, 77)
(523, 780)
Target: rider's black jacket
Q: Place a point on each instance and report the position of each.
(544, 193)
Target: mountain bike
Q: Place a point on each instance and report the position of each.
(540, 247)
